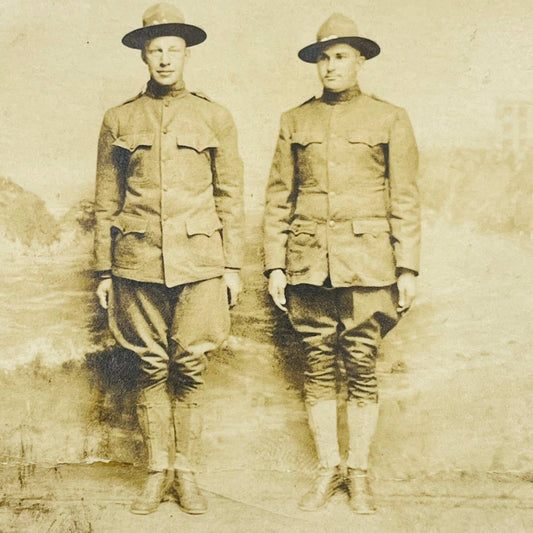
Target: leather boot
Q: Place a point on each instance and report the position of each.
(322, 418)
(325, 485)
(361, 497)
(187, 430)
(153, 412)
(154, 489)
(362, 422)
(155, 421)
(187, 493)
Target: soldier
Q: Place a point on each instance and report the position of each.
(168, 245)
(342, 238)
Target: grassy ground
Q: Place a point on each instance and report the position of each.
(96, 499)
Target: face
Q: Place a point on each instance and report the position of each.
(338, 66)
(165, 57)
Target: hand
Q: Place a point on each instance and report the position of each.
(406, 290)
(277, 282)
(234, 285)
(103, 292)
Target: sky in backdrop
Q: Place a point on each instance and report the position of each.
(448, 62)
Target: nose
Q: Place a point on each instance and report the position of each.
(165, 58)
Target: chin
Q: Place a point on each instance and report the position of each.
(166, 82)
(334, 87)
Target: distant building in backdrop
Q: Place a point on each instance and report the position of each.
(515, 118)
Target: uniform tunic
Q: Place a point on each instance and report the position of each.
(342, 199)
(169, 189)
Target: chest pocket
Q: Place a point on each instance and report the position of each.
(303, 139)
(368, 149)
(200, 142)
(134, 141)
(133, 157)
(308, 150)
(368, 138)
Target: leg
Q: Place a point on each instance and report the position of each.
(312, 314)
(200, 324)
(138, 319)
(363, 313)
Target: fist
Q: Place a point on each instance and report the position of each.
(406, 290)
(103, 292)
(277, 282)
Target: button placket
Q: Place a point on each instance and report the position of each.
(164, 156)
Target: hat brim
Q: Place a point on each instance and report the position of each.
(367, 47)
(192, 35)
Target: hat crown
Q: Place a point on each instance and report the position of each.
(162, 13)
(336, 26)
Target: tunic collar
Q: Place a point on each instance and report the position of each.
(344, 96)
(155, 90)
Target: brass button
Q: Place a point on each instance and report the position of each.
(165, 131)
(332, 193)
(331, 223)
(165, 218)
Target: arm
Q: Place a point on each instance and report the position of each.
(280, 197)
(405, 207)
(404, 197)
(108, 202)
(229, 200)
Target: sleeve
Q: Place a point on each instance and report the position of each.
(108, 194)
(228, 189)
(279, 200)
(404, 196)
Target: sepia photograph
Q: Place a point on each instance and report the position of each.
(266, 266)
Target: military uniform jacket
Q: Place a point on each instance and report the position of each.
(342, 200)
(169, 189)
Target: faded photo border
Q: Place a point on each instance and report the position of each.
(453, 448)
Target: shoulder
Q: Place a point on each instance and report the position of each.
(202, 96)
(130, 101)
(203, 101)
(381, 106)
(303, 107)
(210, 109)
(117, 110)
(301, 111)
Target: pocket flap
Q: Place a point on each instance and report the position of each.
(197, 141)
(130, 224)
(370, 138)
(303, 226)
(375, 226)
(304, 138)
(203, 225)
(133, 141)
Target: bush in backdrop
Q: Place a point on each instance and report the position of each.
(24, 217)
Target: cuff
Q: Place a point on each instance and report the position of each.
(103, 274)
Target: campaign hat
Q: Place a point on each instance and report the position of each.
(338, 28)
(161, 20)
